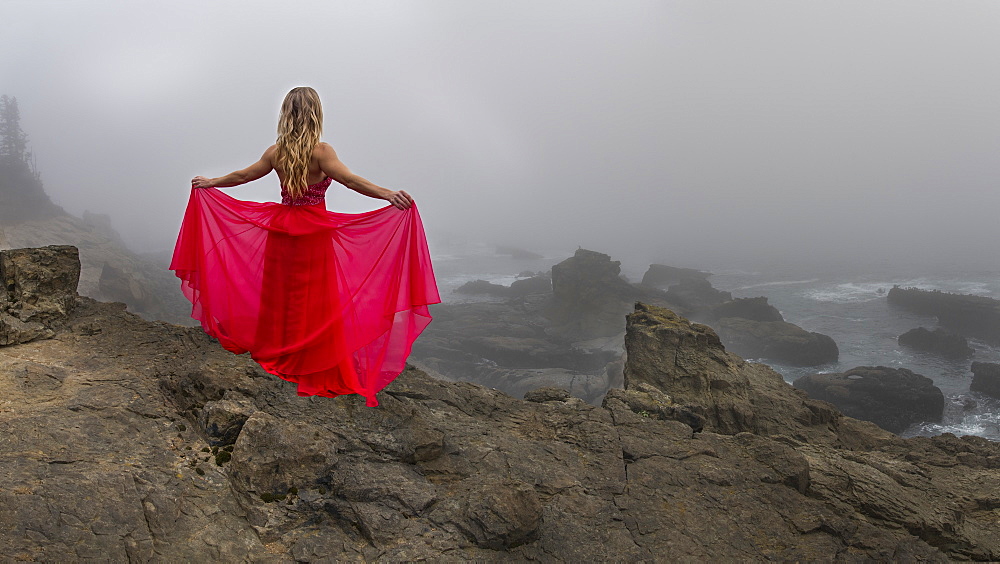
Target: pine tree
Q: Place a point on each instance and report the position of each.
(13, 141)
(22, 196)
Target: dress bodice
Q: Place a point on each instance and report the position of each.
(314, 194)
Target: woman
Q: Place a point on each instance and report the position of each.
(330, 301)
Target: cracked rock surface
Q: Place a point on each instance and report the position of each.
(127, 440)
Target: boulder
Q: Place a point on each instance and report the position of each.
(986, 378)
(483, 287)
(778, 341)
(663, 276)
(754, 309)
(532, 285)
(892, 398)
(938, 341)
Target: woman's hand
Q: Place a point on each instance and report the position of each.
(400, 199)
(201, 182)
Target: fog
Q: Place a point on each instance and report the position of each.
(691, 133)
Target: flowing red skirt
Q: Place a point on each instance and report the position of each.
(328, 300)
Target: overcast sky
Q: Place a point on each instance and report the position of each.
(681, 132)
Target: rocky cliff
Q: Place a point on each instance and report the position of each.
(123, 439)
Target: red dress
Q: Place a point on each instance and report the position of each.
(331, 301)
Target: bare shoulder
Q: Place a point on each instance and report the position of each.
(324, 149)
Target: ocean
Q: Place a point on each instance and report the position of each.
(846, 302)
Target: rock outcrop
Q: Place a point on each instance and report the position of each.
(109, 271)
(126, 440)
(971, 316)
(892, 398)
(986, 378)
(663, 276)
(778, 341)
(938, 342)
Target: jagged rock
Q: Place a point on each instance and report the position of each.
(648, 401)
(754, 309)
(532, 285)
(589, 296)
(892, 398)
(222, 420)
(273, 456)
(688, 362)
(777, 341)
(483, 287)
(986, 378)
(938, 341)
(662, 276)
(103, 459)
(971, 316)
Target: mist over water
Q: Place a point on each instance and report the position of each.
(713, 135)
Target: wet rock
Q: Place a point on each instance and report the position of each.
(892, 398)
(986, 378)
(938, 341)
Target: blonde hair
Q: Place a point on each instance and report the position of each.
(299, 128)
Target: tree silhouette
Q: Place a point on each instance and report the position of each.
(21, 194)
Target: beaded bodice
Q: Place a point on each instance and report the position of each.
(314, 194)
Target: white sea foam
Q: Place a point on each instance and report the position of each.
(850, 292)
(778, 283)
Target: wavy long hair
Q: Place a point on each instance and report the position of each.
(299, 128)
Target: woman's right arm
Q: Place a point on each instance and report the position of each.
(257, 170)
(333, 167)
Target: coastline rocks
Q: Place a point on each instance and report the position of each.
(687, 362)
(104, 458)
(778, 341)
(938, 341)
(971, 316)
(892, 398)
(986, 378)
(38, 292)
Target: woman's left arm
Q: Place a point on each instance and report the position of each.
(257, 170)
